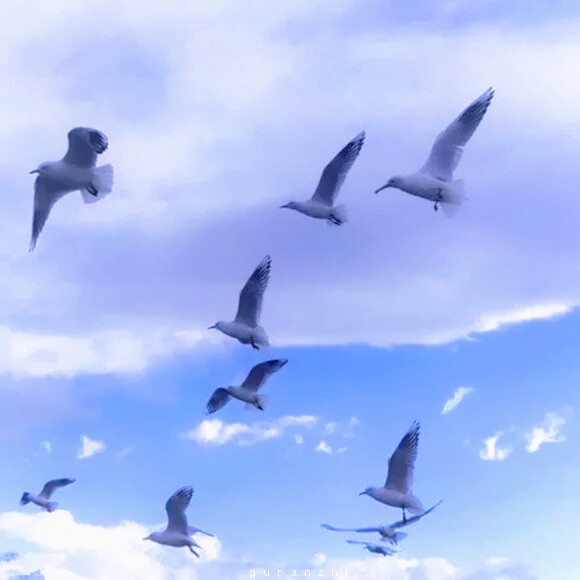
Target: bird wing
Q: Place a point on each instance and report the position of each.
(84, 144)
(175, 508)
(193, 530)
(402, 461)
(333, 529)
(260, 373)
(336, 171)
(47, 192)
(50, 486)
(218, 399)
(448, 147)
(252, 294)
(408, 521)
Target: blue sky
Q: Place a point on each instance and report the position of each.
(216, 116)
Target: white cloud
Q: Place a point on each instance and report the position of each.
(324, 447)
(491, 452)
(124, 452)
(299, 439)
(458, 396)
(490, 322)
(73, 550)
(89, 447)
(216, 432)
(46, 446)
(329, 428)
(547, 432)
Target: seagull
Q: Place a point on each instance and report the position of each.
(75, 171)
(434, 181)
(320, 205)
(248, 391)
(375, 548)
(397, 489)
(43, 498)
(178, 533)
(245, 326)
(389, 533)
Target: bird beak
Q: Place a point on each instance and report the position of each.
(388, 184)
(33, 171)
(362, 493)
(212, 326)
(147, 538)
(283, 206)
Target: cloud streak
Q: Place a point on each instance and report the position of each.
(90, 447)
(547, 432)
(454, 401)
(492, 452)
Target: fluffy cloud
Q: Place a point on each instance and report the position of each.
(216, 432)
(458, 396)
(46, 446)
(77, 551)
(547, 432)
(492, 452)
(89, 447)
(324, 447)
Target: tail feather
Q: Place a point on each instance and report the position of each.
(102, 181)
(51, 506)
(338, 216)
(261, 402)
(25, 499)
(453, 198)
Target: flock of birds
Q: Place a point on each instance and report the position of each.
(433, 181)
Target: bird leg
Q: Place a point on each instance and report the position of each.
(193, 551)
(438, 200)
(253, 343)
(336, 221)
(404, 515)
(92, 189)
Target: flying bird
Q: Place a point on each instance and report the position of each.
(245, 327)
(434, 181)
(43, 498)
(248, 390)
(388, 533)
(375, 548)
(178, 533)
(321, 204)
(397, 489)
(75, 171)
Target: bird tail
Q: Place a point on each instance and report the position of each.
(453, 197)
(102, 181)
(415, 507)
(25, 499)
(51, 506)
(398, 536)
(338, 216)
(261, 402)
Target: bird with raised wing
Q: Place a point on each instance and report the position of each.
(321, 204)
(375, 548)
(75, 171)
(245, 327)
(434, 181)
(43, 498)
(248, 390)
(178, 533)
(388, 533)
(397, 490)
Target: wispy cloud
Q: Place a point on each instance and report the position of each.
(324, 447)
(46, 446)
(492, 452)
(216, 432)
(124, 452)
(457, 397)
(299, 439)
(547, 432)
(89, 447)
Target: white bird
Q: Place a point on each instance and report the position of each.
(178, 533)
(43, 498)
(75, 171)
(321, 204)
(397, 489)
(434, 181)
(388, 533)
(245, 327)
(375, 548)
(248, 391)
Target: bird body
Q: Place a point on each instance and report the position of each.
(321, 204)
(245, 327)
(375, 548)
(397, 490)
(75, 171)
(248, 390)
(43, 498)
(434, 180)
(177, 532)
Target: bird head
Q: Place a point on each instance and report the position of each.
(289, 205)
(366, 491)
(217, 325)
(41, 169)
(151, 536)
(393, 182)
